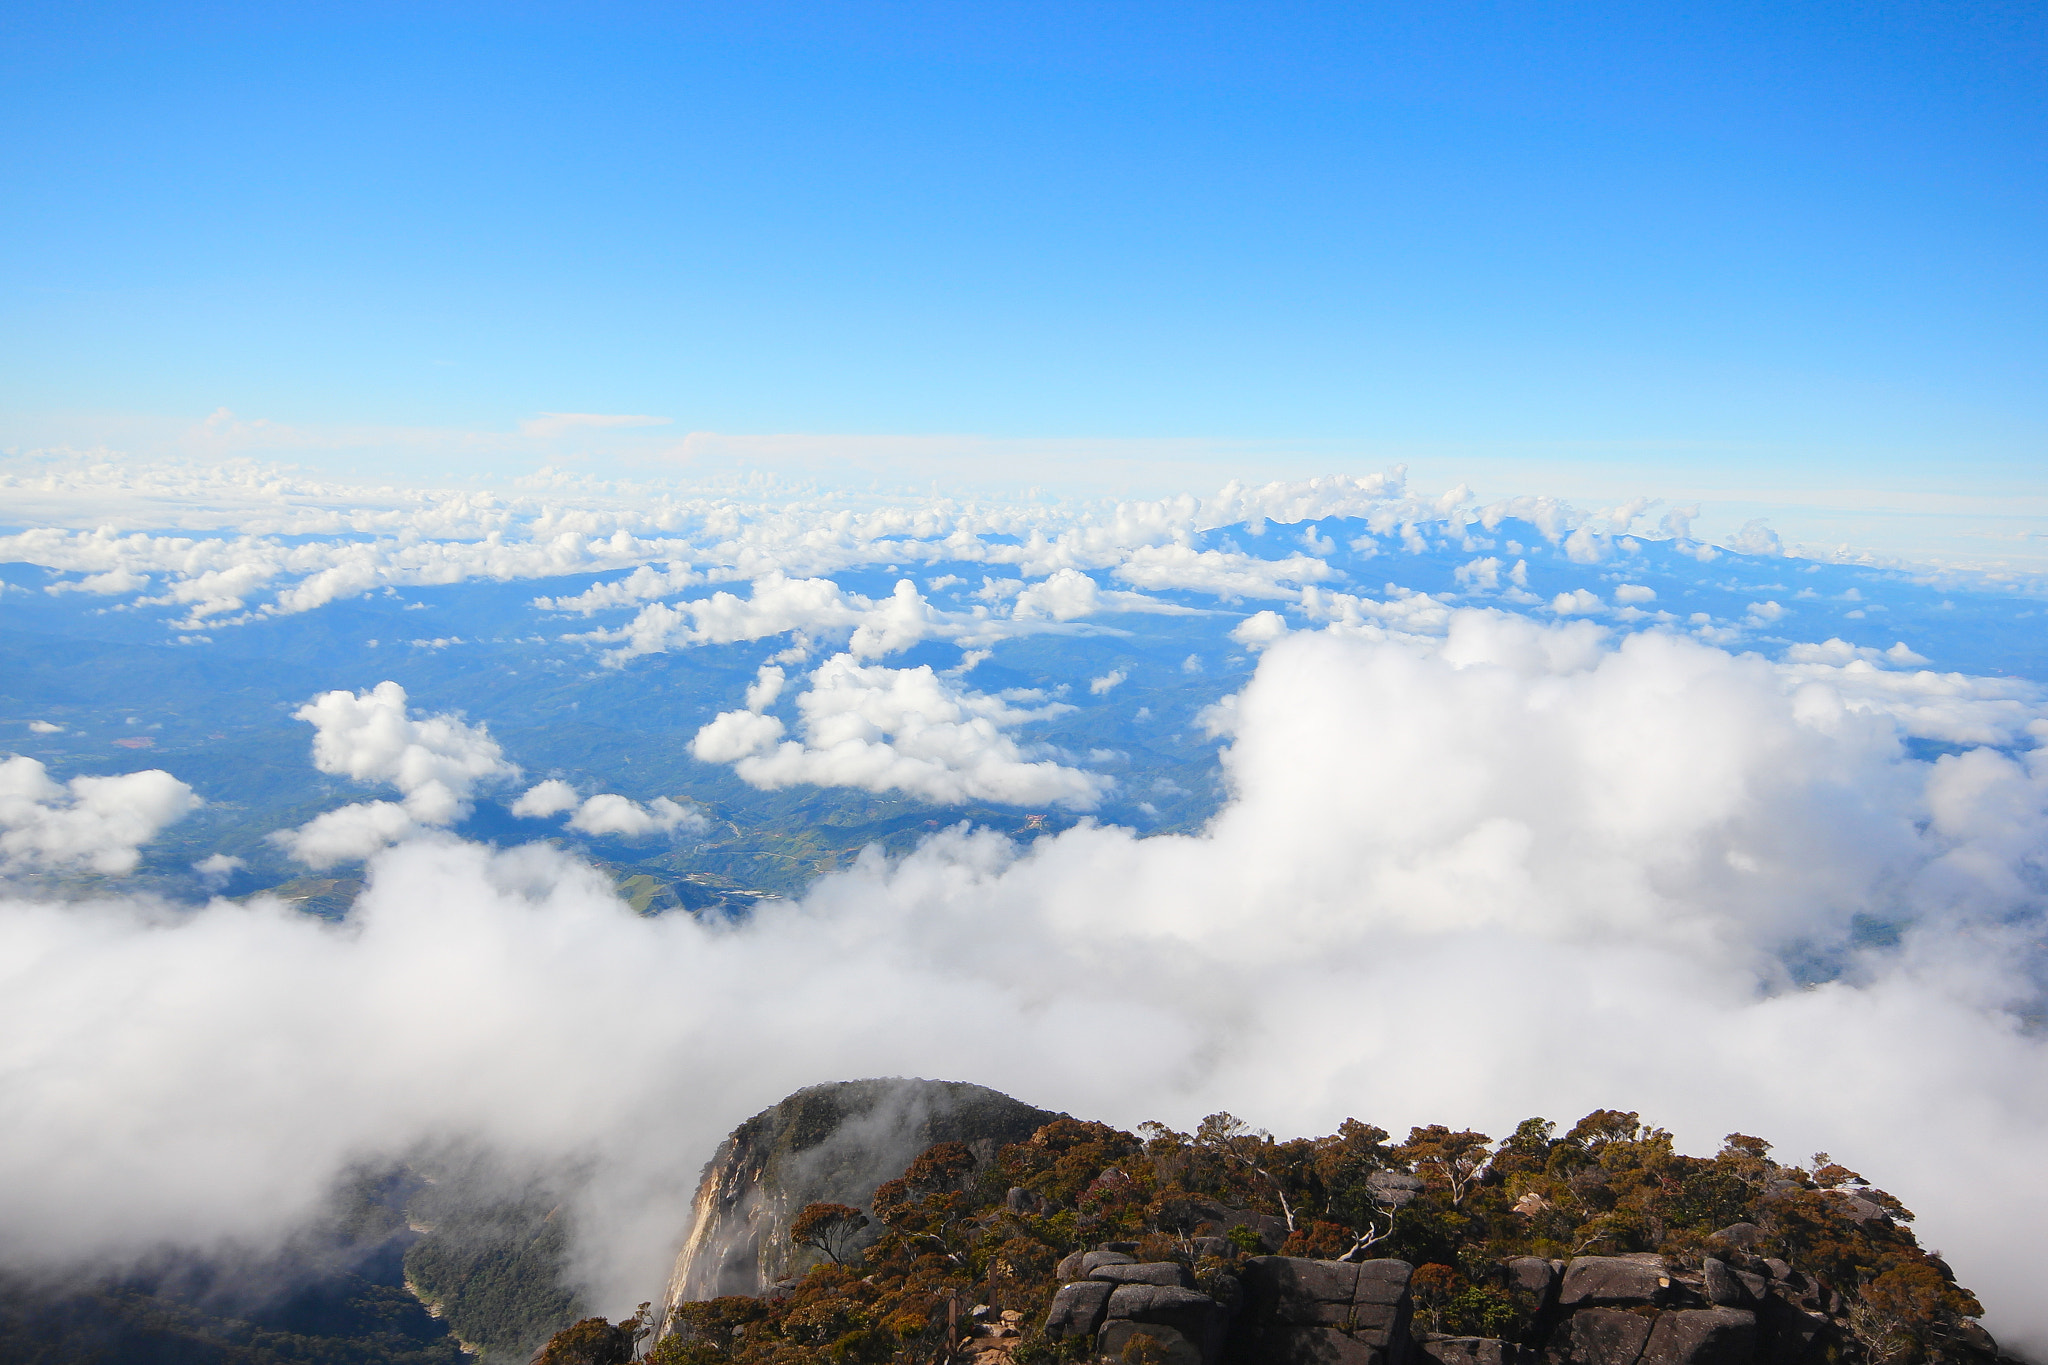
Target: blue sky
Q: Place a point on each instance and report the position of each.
(1794, 249)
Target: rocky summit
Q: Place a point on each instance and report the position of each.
(936, 1223)
(825, 1144)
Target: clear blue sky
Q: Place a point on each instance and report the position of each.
(1713, 228)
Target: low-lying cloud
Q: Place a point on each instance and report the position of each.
(1499, 869)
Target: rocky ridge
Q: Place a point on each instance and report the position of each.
(1080, 1242)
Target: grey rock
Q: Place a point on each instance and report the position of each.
(1702, 1336)
(1783, 1273)
(1078, 1309)
(1196, 1318)
(1973, 1335)
(1285, 1344)
(829, 1143)
(1069, 1267)
(1393, 1189)
(1614, 1280)
(1171, 1273)
(1470, 1351)
(1744, 1235)
(1301, 1292)
(1177, 1347)
(1856, 1207)
(1531, 1275)
(1756, 1284)
(1793, 1337)
(1210, 1246)
(1169, 1304)
(1722, 1287)
(1092, 1261)
(1383, 1282)
(1601, 1336)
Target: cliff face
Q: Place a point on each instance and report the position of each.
(830, 1143)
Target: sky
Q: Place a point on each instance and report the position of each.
(1783, 257)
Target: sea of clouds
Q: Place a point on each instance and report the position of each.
(1479, 859)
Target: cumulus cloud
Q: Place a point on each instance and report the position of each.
(543, 799)
(900, 729)
(777, 605)
(215, 869)
(610, 813)
(607, 812)
(1601, 851)
(1259, 629)
(435, 761)
(95, 823)
(1101, 685)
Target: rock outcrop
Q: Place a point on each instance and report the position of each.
(827, 1144)
(1594, 1310)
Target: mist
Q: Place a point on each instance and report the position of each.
(1521, 869)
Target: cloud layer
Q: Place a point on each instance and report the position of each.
(1489, 870)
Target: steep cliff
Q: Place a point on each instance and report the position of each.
(830, 1143)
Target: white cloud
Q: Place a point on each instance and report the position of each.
(1101, 685)
(543, 799)
(765, 688)
(1259, 629)
(113, 583)
(435, 762)
(776, 605)
(351, 833)
(1634, 594)
(609, 813)
(1756, 538)
(898, 729)
(1577, 602)
(44, 727)
(1764, 613)
(1064, 596)
(215, 869)
(95, 823)
(1219, 573)
(643, 584)
(1479, 575)
(1838, 652)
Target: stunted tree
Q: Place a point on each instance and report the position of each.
(941, 1166)
(595, 1341)
(1247, 1148)
(830, 1228)
(1452, 1161)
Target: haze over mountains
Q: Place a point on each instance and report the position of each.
(1315, 799)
